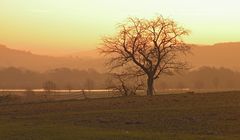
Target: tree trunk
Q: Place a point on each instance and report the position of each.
(150, 82)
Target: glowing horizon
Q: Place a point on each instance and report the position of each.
(66, 26)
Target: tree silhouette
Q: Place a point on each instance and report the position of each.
(49, 86)
(89, 84)
(147, 48)
(127, 85)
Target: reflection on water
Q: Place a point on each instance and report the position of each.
(61, 90)
(166, 91)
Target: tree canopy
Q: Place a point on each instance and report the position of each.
(147, 47)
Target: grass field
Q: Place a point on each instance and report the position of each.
(213, 116)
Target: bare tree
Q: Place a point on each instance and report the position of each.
(69, 88)
(147, 47)
(84, 88)
(127, 85)
(84, 94)
(89, 84)
(49, 86)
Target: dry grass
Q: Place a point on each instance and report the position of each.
(182, 116)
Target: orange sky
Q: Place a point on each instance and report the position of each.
(64, 26)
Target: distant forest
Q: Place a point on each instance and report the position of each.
(65, 78)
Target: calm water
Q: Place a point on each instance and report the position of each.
(167, 91)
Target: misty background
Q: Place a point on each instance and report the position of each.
(213, 67)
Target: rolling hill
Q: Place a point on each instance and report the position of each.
(217, 55)
(27, 60)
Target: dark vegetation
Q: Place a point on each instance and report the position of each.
(206, 116)
(202, 78)
(64, 78)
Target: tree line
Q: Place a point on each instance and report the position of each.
(65, 78)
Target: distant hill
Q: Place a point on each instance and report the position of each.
(23, 59)
(90, 54)
(218, 55)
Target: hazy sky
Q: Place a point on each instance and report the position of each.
(65, 26)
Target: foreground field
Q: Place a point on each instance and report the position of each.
(213, 116)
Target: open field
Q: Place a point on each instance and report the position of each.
(39, 95)
(208, 116)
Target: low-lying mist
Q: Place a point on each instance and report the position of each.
(64, 78)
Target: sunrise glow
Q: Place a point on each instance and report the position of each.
(64, 26)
